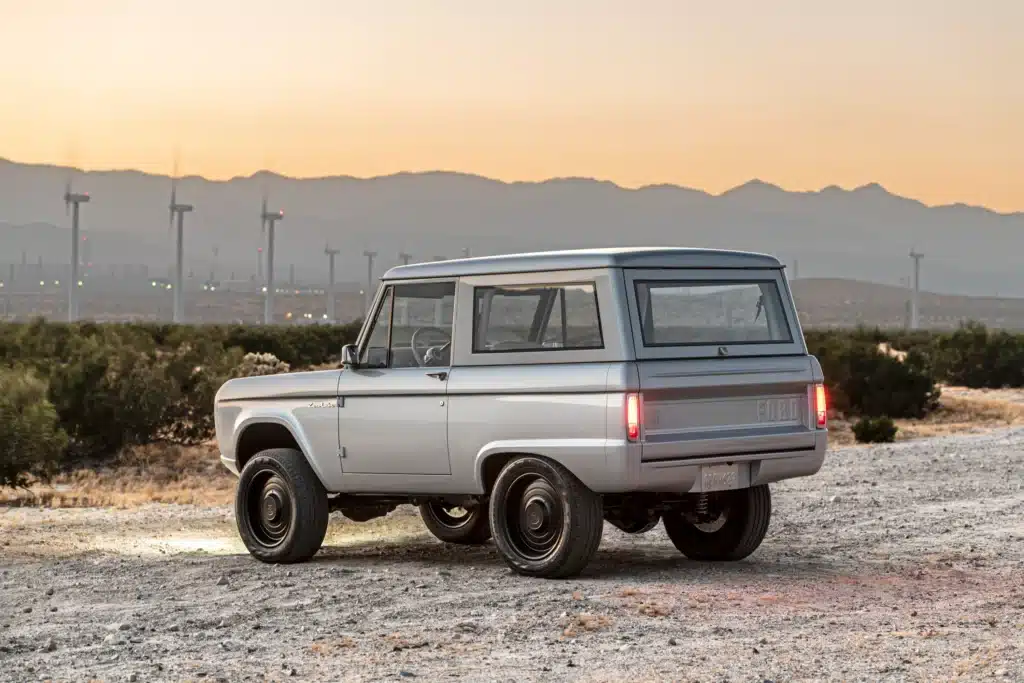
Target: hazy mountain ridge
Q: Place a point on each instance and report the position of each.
(862, 233)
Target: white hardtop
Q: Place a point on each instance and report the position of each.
(583, 259)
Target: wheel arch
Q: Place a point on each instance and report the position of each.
(263, 432)
(576, 457)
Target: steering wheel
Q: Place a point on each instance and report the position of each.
(421, 356)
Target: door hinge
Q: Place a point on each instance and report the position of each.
(341, 453)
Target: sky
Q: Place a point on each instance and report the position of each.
(925, 97)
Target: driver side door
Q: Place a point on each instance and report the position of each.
(393, 408)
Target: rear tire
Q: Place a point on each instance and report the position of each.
(472, 528)
(545, 522)
(281, 507)
(747, 513)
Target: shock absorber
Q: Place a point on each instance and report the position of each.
(702, 505)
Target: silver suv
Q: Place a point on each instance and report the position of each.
(531, 398)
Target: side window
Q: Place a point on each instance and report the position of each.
(421, 335)
(536, 318)
(375, 353)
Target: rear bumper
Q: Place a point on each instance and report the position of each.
(683, 475)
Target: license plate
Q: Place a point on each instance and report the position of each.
(778, 410)
(719, 477)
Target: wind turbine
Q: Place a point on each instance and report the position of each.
(404, 257)
(213, 268)
(269, 220)
(914, 302)
(370, 255)
(178, 210)
(72, 201)
(331, 253)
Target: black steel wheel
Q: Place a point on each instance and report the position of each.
(457, 524)
(545, 521)
(269, 507)
(732, 529)
(280, 507)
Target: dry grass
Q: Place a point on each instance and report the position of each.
(957, 414)
(158, 473)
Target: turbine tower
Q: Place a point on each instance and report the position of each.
(72, 202)
(178, 210)
(370, 255)
(213, 268)
(404, 257)
(270, 219)
(331, 253)
(915, 319)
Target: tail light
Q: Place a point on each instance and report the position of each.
(820, 406)
(633, 420)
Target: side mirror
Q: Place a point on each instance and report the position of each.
(350, 356)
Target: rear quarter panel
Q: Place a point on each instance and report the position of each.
(559, 411)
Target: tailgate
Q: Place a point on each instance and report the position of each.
(705, 407)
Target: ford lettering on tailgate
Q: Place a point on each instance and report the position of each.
(778, 410)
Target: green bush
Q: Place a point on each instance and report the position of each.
(109, 395)
(875, 430)
(976, 357)
(31, 442)
(113, 385)
(195, 372)
(864, 381)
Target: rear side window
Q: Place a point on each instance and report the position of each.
(676, 313)
(536, 318)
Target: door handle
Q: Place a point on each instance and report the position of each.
(438, 375)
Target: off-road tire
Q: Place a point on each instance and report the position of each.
(575, 519)
(304, 509)
(745, 526)
(473, 529)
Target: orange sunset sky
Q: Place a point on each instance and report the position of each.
(925, 97)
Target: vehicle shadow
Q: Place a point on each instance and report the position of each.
(646, 561)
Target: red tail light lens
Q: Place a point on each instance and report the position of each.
(633, 416)
(820, 405)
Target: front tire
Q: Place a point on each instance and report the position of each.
(737, 531)
(472, 527)
(545, 522)
(281, 507)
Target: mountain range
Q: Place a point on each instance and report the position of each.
(863, 233)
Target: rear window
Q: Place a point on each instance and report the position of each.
(676, 313)
(536, 318)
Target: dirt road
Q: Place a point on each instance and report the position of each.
(901, 562)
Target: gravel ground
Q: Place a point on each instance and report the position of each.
(898, 562)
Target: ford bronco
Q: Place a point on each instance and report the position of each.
(529, 398)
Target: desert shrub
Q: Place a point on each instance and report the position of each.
(976, 357)
(875, 430)
(863, 381)
(196, 371)
(109, 395)
(256, 364)
(117, 385)
(31, 441)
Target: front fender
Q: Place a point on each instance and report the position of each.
(247, 417)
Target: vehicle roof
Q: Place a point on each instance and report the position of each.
(581, 259)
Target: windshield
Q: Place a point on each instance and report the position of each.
(675, 313)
